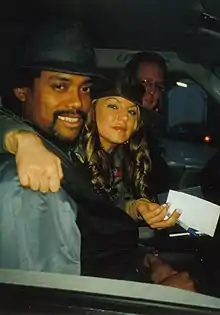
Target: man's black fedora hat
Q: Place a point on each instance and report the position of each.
(60, 46)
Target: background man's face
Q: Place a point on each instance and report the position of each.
(152, 77)
(58, 103)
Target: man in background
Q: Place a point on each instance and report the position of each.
(150, 70)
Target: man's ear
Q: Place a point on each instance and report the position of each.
(21, 94)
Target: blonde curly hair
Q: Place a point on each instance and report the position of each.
(135, 162)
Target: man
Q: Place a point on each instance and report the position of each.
(151, 73)
(150, 70)
(53, 81)
(39, 231)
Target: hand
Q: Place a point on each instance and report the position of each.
(154, 214)
(164, 274)
(159, 270)
(180, 280)
(38, 168)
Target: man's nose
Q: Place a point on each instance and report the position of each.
(74, 100)
(151, 89)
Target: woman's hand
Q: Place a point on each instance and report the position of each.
(38, 168)
(154, 214)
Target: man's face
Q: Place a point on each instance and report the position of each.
(152, 77)
(58, 103)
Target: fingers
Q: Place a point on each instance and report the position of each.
(171, 221)
(180, 280)
(159, 270)
(158, 215)
(154, 214)
(34, 182)
(38, 176)
(54, 183)
(162, 273)
(44, 185)
(59, 169)
(54, 179)
(23, 179)
(41, 182)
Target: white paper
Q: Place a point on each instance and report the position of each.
(196, 213)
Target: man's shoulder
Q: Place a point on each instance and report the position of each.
(8, 168)
(10, 186)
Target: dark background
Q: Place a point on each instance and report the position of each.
(144, 24)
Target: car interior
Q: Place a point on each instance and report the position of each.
(65, 294)
(187, 35)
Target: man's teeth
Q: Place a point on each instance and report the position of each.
(69, 119)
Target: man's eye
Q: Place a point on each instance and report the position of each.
(59, 87)
(113, 106)
(145, 82)
(160, 87)
(86, 89)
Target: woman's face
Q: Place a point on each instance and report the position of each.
(116, 119)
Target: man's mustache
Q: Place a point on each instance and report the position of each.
(77, 112)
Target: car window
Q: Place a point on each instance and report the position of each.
(187, 103)
(190, 113)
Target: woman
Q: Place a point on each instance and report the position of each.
(113, 146)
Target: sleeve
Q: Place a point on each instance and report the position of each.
(9, 122)
(38, 232)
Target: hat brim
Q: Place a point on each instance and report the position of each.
(122, 96)
(127, 92)
(99, 81)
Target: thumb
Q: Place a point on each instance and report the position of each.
(23, 179)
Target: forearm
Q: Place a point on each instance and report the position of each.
(18, 139)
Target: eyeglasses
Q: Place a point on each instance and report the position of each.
(149, 84)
